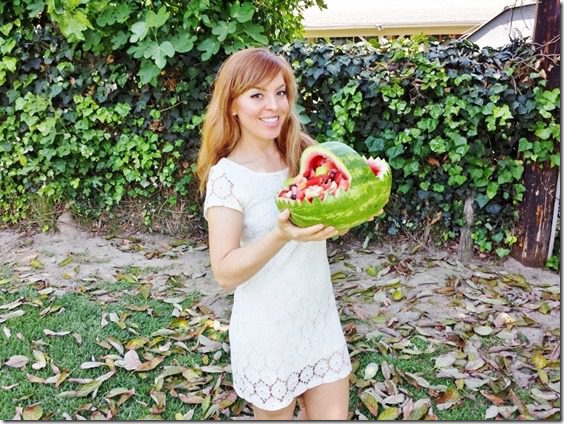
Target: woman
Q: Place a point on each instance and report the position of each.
(285, 335)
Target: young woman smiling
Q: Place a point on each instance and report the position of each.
(285, 336)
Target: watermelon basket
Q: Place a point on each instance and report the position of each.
(336, 186)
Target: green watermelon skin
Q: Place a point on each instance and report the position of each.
(366, 196)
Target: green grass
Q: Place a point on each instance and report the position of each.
(471, 407)
(83, 315)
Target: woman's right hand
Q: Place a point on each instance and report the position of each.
(288, 231)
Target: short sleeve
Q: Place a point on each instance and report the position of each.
(221, 191)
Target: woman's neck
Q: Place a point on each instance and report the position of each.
(257, 156)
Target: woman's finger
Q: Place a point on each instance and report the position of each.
(315, 232)
(284, 215)
(314, 229)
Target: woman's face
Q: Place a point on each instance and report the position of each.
(262, 110)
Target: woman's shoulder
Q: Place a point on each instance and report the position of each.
(223, 166)
(226, 170)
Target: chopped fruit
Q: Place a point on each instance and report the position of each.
(323, 178)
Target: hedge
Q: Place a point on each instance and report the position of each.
(453, 120)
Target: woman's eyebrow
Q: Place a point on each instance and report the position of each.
(258, 87)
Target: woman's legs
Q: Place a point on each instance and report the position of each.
(328, 401)
(302, 413)
(286, 414)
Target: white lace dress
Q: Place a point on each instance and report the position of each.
(285, 334)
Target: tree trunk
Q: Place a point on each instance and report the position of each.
(535, 216)
(537, 209)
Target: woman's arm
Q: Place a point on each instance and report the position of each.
(232, 264)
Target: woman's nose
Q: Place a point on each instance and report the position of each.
(272, 102)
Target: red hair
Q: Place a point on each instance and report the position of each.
(220, 133)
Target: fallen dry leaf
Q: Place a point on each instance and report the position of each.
(41, 360)
(130, 361)
(48, 332)
(32, 413)
(17, 361)
(389, 414)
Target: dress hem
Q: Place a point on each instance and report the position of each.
(283, 404)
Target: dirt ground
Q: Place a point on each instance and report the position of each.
(71, 258)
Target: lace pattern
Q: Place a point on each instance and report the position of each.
(281, 391)
(220, 192)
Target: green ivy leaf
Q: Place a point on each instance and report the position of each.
(394, 151)
(156, 20)
(242, 13)
(159, 52)
(374, 144)
(491, 190)
(524, 145)
(106, 17)
(114, 14)
(551, 96)
(209, 47)
(35, 7)
(221, 30)
(256, 33)
(7, 46)
(438, 145)
(475, 173)
(122, 109)
(543, 133)
(148, 71)
(139, 30)
(506, 176)
(302, 115)
(457, 180)
(517, 171)
(73, 24)
(411, 168)
(404, 188)
(5, 29)
(10, 63)
(183, 43)
(438, 188)
(119, 40)
(502, 251)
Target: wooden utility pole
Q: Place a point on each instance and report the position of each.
(536, 210)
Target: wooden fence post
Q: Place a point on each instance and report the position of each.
(466, 245)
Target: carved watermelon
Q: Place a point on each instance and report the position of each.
(336, 186)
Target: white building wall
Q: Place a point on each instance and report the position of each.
(517, 22)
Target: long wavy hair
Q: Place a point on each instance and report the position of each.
(221, 132)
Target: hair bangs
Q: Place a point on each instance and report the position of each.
(259, 67)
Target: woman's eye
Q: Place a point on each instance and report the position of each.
(282, 93)
(256, 96)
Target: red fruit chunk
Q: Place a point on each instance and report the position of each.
(374, 166)
(314, 181)
(316, 162)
